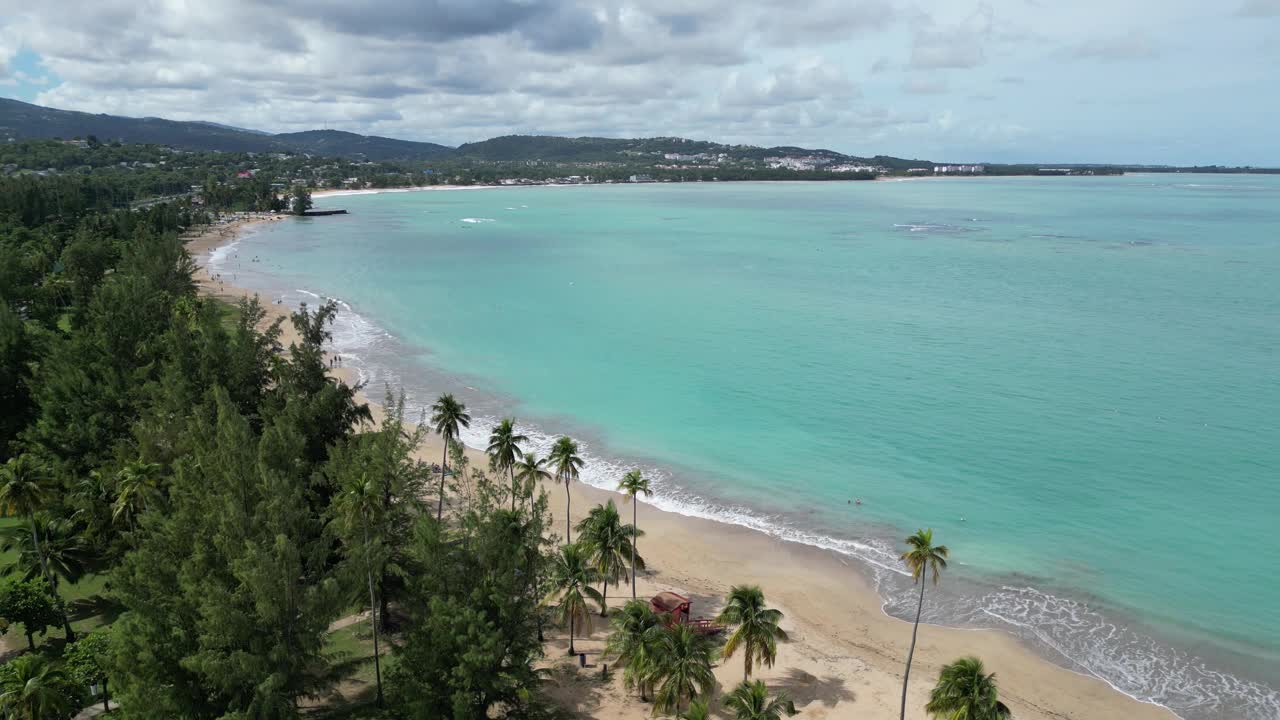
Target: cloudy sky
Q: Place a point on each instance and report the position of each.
(1158, 81)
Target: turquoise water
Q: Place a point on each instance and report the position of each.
(1073, 380)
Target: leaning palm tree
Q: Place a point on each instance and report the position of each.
(610, 545)
(564, 459)
(359, 507)
(33, 688)
(633, 485)
(756, 631)
(682, 667)
(635, 630)
(504, 451)
(530, 471)
(921, 557)
(965, 692)
(571, 578)
(751, 701)
(448, 416)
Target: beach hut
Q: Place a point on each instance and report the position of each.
(677, 610)
(671, 604)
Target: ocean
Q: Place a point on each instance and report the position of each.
(1072, 380)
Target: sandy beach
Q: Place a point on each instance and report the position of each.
(845, 658)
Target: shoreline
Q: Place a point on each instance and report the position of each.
(846, 656)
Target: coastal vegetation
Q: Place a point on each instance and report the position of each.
(756, 630)
(610, 545)
(965, 691)
(213, 525)
(633, 485)
(922, 557)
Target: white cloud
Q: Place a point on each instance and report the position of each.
(925, 85)
(1132, 46)
(855, 75)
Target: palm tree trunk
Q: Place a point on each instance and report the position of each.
(567, 502)
(443, 458)
(44, 571)
(511, 472)
(373, 609)
(635, 542)
(571, 652)
(604, 599)
(902, 715)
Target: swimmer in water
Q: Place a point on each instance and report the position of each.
(858, 501)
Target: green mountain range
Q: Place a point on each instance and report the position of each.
(19, 121)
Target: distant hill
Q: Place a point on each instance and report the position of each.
(550, 148)
(20, 120)
(345, 144)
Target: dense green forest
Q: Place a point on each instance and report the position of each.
(190, 504)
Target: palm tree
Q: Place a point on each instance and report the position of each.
(504, 451)
(751, 701)
(634, 484)
(965, 692)
(682, 666)
(571, 578)
(359, 507)
(448, 416)
(921, 557)
(631, 644)
(564, 458)
(610, 544)
(137, 487)
(698, 710)
(530, 471)
(24, 491)
(757, 631)
(65, 552)
(33, 688)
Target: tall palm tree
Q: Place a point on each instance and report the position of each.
(633, 485)
(751, 701)
(530, 471)
(965, 692)
(682, 667)
(571, 578)
(504, 451)
(635, 629)
(359, 508)
(757, 631)
(921, 557)
(610, 545)
(564, 459)
(33, 688)
(448, 416)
